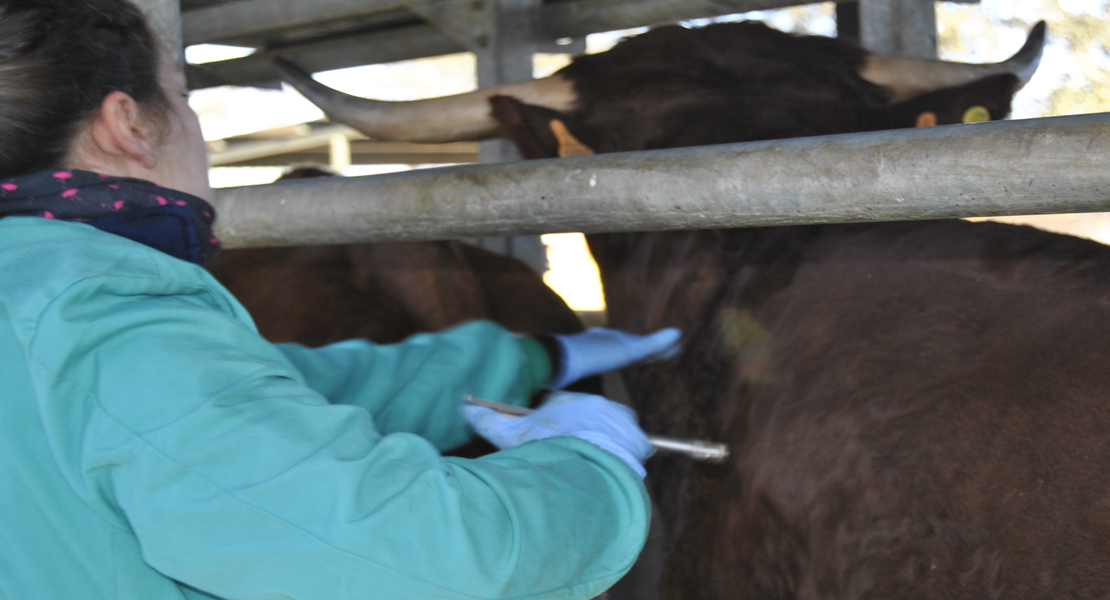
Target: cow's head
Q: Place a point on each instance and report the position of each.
(674, 87)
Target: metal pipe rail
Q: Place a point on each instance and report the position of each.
(1040, 166)
(233, 22)
(165, 21)
(261, 22)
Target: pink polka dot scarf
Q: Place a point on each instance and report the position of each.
(176, 223)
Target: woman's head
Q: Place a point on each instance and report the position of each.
(85, 84)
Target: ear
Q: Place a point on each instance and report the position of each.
(568, 144)
(927, 119)
(121, 131)
(977, 114)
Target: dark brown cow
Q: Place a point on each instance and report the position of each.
(729, 82)
(315, 295)
(916, 410)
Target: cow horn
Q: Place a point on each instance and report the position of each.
(907, 77)
(463, 117)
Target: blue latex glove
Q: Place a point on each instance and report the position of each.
(599, 350)
(603, 423)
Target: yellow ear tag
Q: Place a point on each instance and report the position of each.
(927, 119)
(977, 114)
(568, 144)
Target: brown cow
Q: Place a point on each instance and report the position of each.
(315, 295)
(915, 409)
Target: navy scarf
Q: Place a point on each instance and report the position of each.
(173, 222)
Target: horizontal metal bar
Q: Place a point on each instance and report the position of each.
(358, 157)
(255, 149)
(1040, 166)
(254, 18)
(584, 17)
(245, 151)
(260, 17)
(563, 20)
(349, 51)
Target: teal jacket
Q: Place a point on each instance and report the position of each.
(154, 447)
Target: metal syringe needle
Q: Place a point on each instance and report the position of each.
(710, 452)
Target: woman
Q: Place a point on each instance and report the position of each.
(153, 446)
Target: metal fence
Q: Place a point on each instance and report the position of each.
(1040, 166)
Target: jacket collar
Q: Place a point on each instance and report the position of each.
(173, 222)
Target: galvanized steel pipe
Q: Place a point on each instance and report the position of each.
(165, 21)
(1055, 165)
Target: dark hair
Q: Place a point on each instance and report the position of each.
(59, 59)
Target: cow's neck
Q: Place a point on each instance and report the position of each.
(716, 286)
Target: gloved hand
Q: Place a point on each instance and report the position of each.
(603, 423)
(599, 350)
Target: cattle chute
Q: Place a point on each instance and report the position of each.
(437, 120)
(851, 178)
(1006, 168)
(466, 117)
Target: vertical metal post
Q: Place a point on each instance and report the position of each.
(505, 55)
(847, 21)
(507, 58)
(905, 28)
(339, 152)
(504, 35)
(165, 20)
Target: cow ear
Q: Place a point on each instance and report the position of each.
(977, 114)
(568, 144)
(927, 119)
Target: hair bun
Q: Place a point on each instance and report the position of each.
(59, 59)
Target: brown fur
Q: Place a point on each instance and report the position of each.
(316, 295)
(673, 87)
(916, 410)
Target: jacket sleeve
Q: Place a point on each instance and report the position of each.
(417, 386)
(177, 422)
